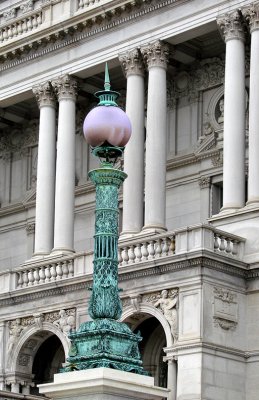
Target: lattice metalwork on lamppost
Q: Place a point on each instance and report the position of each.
(104, 341)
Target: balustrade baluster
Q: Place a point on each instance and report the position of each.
(53, 272)
(20, 279)
(125, 256)
(47, 273)
(65, 269)
(138, 252)
(71, 268)
(158, 248)
(172, 245)
(59, 270)
(25, 278)
(228, 246)
(151, 250)
(30, 277)
(144, 251)
(216, 241)
(165, 247)
(132, 255)
(119, 256)
(222, 245)
(36, 276)
(42, 275)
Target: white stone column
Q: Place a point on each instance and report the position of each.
(133, 188)
(234, 113)
(252, 15)
(45, 193)
(172, 379)
(156, 57)
(66, 88)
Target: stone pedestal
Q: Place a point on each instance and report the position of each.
(103, 384)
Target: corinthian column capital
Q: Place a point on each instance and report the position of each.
(251, 14)
(44, 94)
(156, 54)
(132, 63)
(232, 26)
(65, 87)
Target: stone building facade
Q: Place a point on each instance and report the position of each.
(187, 72)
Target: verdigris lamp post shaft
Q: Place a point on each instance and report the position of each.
(104, 341)
(105, 301)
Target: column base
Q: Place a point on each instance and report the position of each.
(103, 383)
(229, 210)
(251, 204)
(154, 229)
(128, 234)
(62, 250)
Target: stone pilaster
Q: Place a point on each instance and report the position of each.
(45, 196)
(133, 67)
(66, 90)
(252, 16)
(156, 58)
(232, 29)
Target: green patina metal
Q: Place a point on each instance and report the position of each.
(105, 342)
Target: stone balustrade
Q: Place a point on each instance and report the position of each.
(132, 252)
(20, 27)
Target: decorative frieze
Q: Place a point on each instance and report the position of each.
(225, 309)
(232, 26)
(17, 141)
(156, 54)
(27, 6)
(44, 94)
(132, 63)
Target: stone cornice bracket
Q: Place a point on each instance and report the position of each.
(65, 87)
(232, 26)
(205, 182)
(132, 63)
(251, 15)
(44, 94)
(156, 54)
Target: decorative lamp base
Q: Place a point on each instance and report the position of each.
(104, 343)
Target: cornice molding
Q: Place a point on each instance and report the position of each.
(147, 270)
(82, 27)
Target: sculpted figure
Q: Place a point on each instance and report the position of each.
(15, 330)
(221, 109)
(65, 323)
(168, 307)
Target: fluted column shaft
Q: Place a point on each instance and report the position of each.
(156, 57)
(234, 113)
(134, 152)
(65, 171)
(45, 195)
(252, 15)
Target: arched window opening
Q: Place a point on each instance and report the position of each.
(47, 362)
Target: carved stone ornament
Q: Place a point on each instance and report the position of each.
(65, 87)
(132, 63)
(232, 26)
(66, 322)
(17, 141)
(27, 6)
(251, 15)
(15, 330)
(203, 75)
(10, 13)
(44, 94)
(156, 54)
(225, 309)
(167, 303)
(217, 159)
(30, 228)
(204, 182)
(24, 359)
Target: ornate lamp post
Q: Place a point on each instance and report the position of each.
(104, 341)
